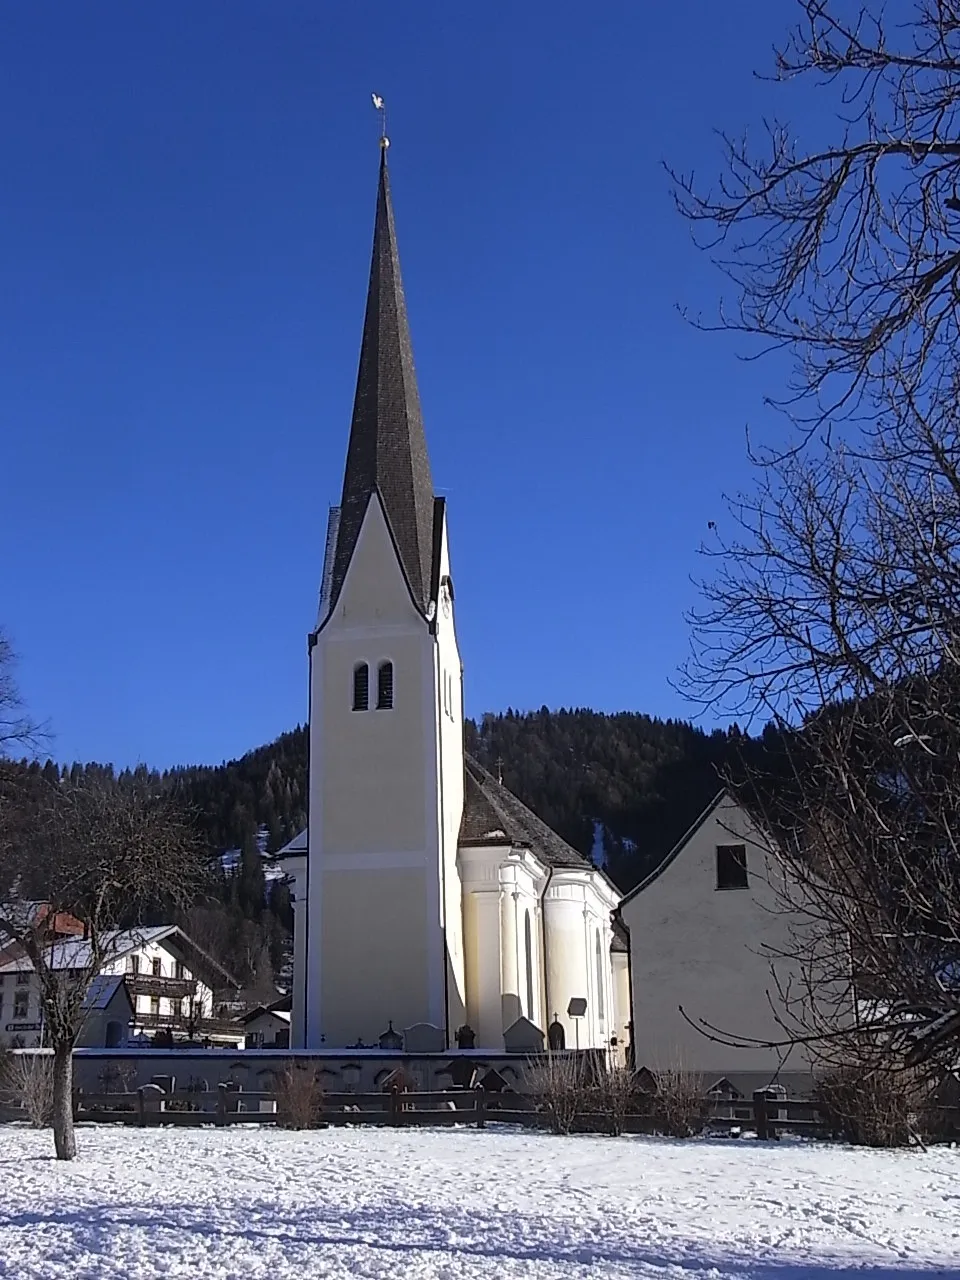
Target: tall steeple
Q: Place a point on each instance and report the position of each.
(382, 883)
(387, 450)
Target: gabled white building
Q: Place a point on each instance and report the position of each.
(713, 940)
(173, 986)
(425, 893)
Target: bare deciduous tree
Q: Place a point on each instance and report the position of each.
(617, 1096)
(18, 732)
(299, 1095)
(834, 608)
(848, 252)
(28, 1080)
(559, 1083)
(102, 853)
(679, 1106)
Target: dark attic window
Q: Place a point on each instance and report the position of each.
(361, 687)
(731, 866)
(385, 686)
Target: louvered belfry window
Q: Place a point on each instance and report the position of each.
(361, 687)
(385, 686)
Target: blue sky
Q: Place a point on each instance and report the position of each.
(186, 211)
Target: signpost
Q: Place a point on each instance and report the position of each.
(575, 1010)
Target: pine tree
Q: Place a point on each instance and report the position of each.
(251, 886)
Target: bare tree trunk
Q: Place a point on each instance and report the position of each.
(64, 1137)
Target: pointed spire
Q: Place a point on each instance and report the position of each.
(388, 449)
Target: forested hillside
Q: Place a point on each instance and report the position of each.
(625, 786)
(629, 781)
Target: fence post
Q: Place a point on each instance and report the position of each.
(394, 1104)
(481, 1106)
(221, 1103)
(760, 1117)
(141, 1109)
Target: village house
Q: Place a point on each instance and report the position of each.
(170, 987)
(713, 934)
(268, 1026)
(109, 1014)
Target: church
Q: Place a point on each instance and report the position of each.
(430, 904)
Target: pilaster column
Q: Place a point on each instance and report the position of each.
(510, 1001)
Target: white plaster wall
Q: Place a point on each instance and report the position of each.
(567, 970)
(9, 989)
(542, 1018)
(448, 701)
(500, 886)
(600, 1011)
(373, 956)
(535, 1011)
(268, 1026)
(620, 961)
(296, 868)
(480, 871)
(145, 956)
(520, 878)
(710, 952)
(576, 906)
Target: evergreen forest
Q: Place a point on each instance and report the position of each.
(619, 787)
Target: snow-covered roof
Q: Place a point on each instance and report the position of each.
(75, 953)
(262, 1011)
(102, 990)
(293, 848)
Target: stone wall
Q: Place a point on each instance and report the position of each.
(362, 1071)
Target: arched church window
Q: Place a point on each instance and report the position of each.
(361, 687)
(385, 686)
(528, 950)
(600, 975)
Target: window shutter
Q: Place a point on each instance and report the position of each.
(361, 687)
(385, 686)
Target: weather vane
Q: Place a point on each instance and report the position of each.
(382, 109)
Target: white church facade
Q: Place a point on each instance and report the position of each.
(427, 897)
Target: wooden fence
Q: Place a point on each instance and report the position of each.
(150, 1105)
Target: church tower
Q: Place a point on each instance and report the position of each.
(382, 941)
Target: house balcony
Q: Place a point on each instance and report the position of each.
(146, 984)
(182, 1023)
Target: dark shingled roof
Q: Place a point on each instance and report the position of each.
(489, 808)
(388, 449)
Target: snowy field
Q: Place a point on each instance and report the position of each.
(245, 1204)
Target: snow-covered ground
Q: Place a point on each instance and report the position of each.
(251, 1203)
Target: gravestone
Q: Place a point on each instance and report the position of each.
(391, 1039)
(466, 1037)
(556, 1036)
(523, 1036)
(493, 1082)
(462, 1071)
(423, 1037)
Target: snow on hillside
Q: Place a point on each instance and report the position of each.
(230, 859)
(420, 1203)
